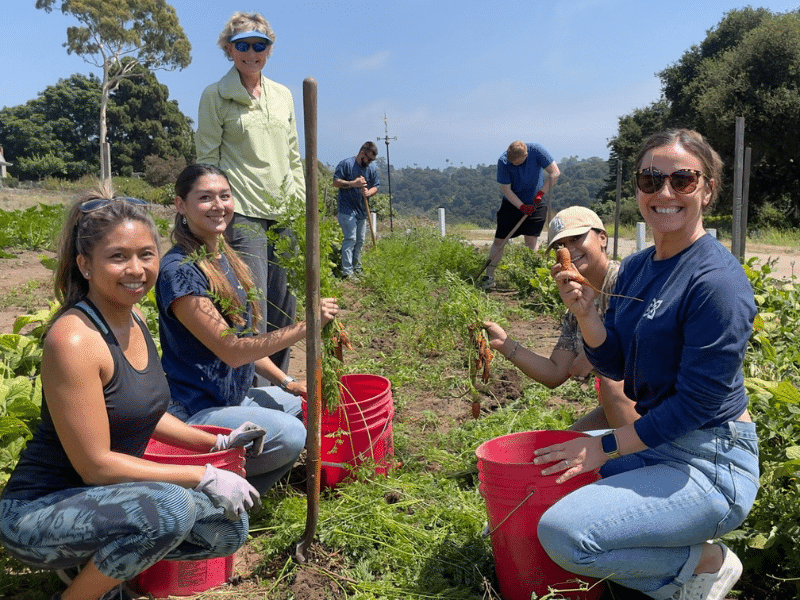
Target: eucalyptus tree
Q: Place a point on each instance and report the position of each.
(117, 36)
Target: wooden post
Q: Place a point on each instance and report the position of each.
(313, 324)
(616, 209)
(736, 223)
(745, 199)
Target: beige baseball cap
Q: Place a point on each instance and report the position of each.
(572, 221)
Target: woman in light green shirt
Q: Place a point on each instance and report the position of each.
(247, 127)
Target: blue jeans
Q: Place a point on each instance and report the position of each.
(353, 232)
(247, 235)
(643, 523)
(123, 528)
(274, 410)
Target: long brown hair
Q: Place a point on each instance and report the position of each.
(80, 235)
(219, 285)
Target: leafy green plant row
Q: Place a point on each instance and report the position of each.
(416, 533)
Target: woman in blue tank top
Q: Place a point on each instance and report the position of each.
(82, 499)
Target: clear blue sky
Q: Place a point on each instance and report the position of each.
(457, 80)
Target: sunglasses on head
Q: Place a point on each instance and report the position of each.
(245, 46)
(683, 181)
(97, 204)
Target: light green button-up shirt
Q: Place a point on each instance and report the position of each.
(254, 140)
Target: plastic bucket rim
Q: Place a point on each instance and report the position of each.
(188, 452)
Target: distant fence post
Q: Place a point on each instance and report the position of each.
(442, 228)
(640, 235)
(616, 210)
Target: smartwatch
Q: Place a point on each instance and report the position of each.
(610, 447)
(285, 383)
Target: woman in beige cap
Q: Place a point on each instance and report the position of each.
(581, 231)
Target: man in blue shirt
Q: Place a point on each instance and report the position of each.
(357, 180)
(520, 173)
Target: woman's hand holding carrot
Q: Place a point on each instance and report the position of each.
(575, 291)
(328, 309)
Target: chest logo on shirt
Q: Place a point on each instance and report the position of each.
(650, 313)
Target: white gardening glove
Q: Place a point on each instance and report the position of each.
(229, 491)
(242, 436)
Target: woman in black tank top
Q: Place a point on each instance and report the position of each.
(81, 494)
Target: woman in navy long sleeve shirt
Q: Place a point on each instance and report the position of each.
(686, 472)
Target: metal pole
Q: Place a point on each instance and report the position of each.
(386, 139)
(313, 323)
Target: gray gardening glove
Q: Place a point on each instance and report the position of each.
(242, 436)
(229, 491)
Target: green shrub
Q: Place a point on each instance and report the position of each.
(161, 171)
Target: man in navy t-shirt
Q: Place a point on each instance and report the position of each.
(357, 180)
(520, 173)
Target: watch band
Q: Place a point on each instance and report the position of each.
(285, 383)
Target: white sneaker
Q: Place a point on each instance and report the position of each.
(713, 586)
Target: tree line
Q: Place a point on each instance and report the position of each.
(472, 194)
(748, 65)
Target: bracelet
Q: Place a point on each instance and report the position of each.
(285, 383)
(513, 350)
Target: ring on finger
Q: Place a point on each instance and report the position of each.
(566, 463)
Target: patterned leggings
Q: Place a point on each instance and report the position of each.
(123, 528)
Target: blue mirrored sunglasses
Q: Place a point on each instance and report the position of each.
(245, 46)
(97, 204)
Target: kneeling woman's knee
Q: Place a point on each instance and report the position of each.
(556, 539)
(174, 506)
(295, 438)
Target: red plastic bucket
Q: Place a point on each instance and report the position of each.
(189, 577)
(517, 495)
(359, 430)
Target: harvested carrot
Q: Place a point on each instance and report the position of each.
(340, 340)
(483, 353)
(564, 259)
(476, 409)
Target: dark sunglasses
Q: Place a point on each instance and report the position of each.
(369, 158)
(245, 46)
(684, 181)
(92, 205)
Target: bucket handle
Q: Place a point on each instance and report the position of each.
(487, 532)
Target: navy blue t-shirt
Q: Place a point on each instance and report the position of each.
(528, 178)
(350, 200)
(197, 378)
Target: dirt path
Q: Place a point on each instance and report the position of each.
(787, 260)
